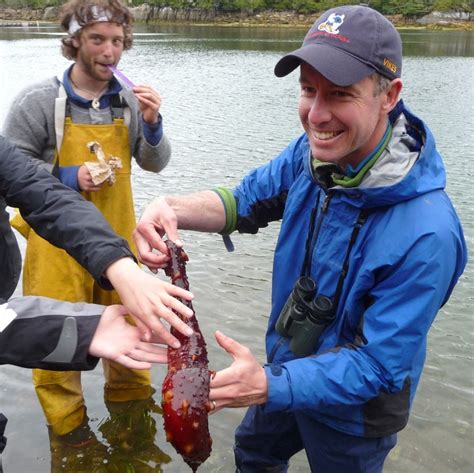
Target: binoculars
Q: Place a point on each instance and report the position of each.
(304, 317)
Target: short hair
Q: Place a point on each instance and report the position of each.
(84, 12)
(381, 83)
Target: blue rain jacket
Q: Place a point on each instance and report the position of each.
(402, 267)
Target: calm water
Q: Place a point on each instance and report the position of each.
(225, 112)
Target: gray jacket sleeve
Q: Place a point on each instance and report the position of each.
(148, 157)
(30, 126)
(38, 332)
(30, 122)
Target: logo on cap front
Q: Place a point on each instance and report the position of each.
(332, 24)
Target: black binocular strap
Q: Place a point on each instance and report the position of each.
(345, 265)
(306, 269)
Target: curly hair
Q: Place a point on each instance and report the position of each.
(84, 12)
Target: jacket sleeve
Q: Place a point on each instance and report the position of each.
(38, 332)
(59, 214)
(389, 351)
(29, 124)
(152, 158)
(261, 196)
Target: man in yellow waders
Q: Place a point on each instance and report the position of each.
(64, 123)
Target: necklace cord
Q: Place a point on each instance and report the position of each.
(95, 96)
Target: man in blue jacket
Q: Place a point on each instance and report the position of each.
(370, 248)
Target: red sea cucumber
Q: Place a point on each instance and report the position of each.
(185, 390)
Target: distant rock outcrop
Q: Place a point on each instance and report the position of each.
(147, 13)
(437, 17)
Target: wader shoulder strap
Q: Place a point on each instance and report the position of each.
(118, 105)
(59, 116)
(120, 108)
(127, 114)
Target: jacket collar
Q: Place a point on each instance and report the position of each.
(409, 166)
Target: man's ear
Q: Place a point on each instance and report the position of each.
(76, 41)
(392, 95)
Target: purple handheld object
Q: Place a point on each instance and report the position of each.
(120, 75)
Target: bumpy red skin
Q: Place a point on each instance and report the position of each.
(185, 390)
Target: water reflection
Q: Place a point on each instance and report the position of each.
(432, 43)
(127, 442)
(416, 42)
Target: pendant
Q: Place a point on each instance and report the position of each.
(95, 103)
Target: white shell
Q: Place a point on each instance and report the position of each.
(103, 170)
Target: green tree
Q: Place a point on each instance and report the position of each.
(453, 5)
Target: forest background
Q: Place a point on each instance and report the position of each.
(401, 12)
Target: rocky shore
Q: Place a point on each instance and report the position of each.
(146, 13)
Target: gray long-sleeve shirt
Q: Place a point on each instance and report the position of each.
(30, 126)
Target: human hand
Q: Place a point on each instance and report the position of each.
(157, 220)
(117, 340)
(149, 101)
(84, 180)
(244, 383)
(149, 299)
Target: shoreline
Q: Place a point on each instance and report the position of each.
(26, 17)
(21, 23)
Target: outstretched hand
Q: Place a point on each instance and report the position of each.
(244, 383)
(117, 340)
(150, 300)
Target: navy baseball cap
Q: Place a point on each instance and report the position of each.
(347, 44)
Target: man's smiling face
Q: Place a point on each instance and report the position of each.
(343, 124)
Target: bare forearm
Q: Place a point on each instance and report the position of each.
(201, 211)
